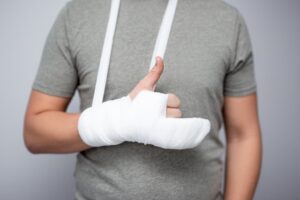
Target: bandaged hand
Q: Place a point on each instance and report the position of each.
(143, 116)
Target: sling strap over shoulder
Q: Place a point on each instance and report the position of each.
(159, 49)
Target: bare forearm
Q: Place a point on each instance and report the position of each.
(243, 162)
(53, 132)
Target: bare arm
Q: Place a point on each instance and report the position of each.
(48, 128)
(244, 147)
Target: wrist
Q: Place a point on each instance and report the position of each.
(100, 125)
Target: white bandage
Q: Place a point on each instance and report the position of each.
(142, 120)
(99, 125)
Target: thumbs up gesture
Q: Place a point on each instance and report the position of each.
(142, 116)
(149, 83)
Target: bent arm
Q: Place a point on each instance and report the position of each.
(244, 147)
(48, 128)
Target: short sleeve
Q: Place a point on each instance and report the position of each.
(240, 77)
(57, 74)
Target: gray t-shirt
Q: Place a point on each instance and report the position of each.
(208, 56)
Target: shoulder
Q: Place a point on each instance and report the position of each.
(78, 13)
(218, 15)
(225, 13)
(81, 10)
(80, 17)
(224, 8)
(230, 12)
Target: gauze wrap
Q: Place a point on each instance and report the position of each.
(141, 120)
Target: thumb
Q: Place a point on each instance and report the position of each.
(150, 80)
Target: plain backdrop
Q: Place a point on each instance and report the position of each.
(275, 32)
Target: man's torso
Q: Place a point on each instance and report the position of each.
(196, 60)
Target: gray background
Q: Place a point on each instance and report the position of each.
(275, 31)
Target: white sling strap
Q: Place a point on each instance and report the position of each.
(159, 49)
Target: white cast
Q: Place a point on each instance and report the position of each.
(141, 120)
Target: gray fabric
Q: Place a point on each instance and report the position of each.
(208, 56)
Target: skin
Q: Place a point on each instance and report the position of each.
(244, 147)
(49, 129)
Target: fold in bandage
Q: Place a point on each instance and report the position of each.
(141, 120)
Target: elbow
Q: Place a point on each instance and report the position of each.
(30, 139)
(242, 134)
(30, 143)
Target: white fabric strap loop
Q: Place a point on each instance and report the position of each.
(159, 49)
(106, 52)
(164, 32)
